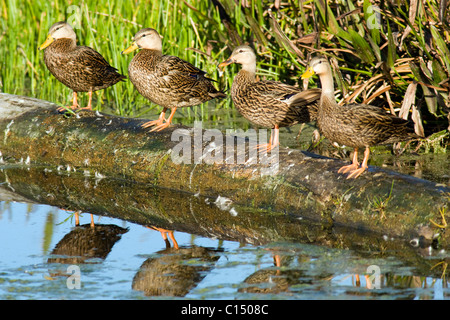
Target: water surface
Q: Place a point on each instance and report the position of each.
(29, 234)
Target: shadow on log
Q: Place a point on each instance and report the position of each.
(299, 197)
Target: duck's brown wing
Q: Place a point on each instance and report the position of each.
(272, 91)
(376, 126)
(187, 83)
(172, 65)
(95, 69)
(270, 103)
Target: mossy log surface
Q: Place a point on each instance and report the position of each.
(109, 165)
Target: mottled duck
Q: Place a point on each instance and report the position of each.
(79, 68)
(355, 125)
(269, 104)
(167, 81)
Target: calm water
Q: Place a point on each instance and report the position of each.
(36, 263)
(43, 255)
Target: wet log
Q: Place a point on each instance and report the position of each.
(256, 201)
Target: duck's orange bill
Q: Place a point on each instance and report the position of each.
(225, 63)
(47, 42)
(308, 73)
(131, 48)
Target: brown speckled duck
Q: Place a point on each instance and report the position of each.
(355, 125)
(79, 68)
(167, 81)
(269, 104)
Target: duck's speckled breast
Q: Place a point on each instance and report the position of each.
(59, 61)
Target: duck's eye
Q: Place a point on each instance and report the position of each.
(240, 51)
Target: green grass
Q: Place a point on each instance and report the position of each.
(379, 204)
(108, 27)
(406, 46)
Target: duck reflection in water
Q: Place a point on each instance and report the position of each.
(86, 243)
(273, 280)
(174, 271)
(283, 277)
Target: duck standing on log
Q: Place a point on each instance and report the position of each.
(355, 125)
(167, 81)
(79, 68)
(269, 104)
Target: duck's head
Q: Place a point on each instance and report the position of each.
(147, 38)
(243, 55)
(58, 31)
(318, 65)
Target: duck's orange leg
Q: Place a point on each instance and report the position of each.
(174, 241)
(161, 120)
(353, 166)
(166, 123)
(77, 218)
(273, 142)
(74, 103)
(89, 106)
(161, 123)
(277, 260)
(356, 173)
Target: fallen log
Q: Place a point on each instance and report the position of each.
(299, 185)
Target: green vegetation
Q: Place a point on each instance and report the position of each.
(396, 55)
(379, 204)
